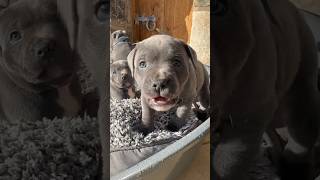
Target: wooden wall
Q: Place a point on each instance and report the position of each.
(174, 17)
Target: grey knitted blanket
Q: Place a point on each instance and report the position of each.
(126, 114)
(56, 149)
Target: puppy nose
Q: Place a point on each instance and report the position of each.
(42, 47)
(160, 84)
(124, 76)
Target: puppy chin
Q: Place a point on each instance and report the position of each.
(161, 108)
(121, 85)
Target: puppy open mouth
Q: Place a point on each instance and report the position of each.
(163, 101)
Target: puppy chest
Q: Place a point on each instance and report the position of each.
(68, 102)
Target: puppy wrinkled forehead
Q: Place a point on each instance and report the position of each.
(119, 65)
(4, 3)
(24, 10)
(157, 48)
(23, 15)
(160, 41)
(38, 7)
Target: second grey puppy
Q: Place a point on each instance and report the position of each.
(121, 81)
(120, 45)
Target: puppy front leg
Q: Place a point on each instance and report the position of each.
(235, 155)
(147, 124)
(181, 113)
(239, 144)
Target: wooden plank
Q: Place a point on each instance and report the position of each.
(135, 27)
(121, 17)
(178, 18)
(188, 19)
(149, 8)
(174, 17)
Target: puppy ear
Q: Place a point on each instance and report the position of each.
(133, 45)
(1, 52)
(131, 59)
(67, 9)
(5, 3)
(243, 40)
(191, 53)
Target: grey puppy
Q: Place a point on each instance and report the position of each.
(121, 81)
(37, 69)
(170, 76)
(118, 36)
(265, 62)
(86, 22)
(120, 45)
(314, 23)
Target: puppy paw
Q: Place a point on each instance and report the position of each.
(142, 129)
(202, 115)
(172, 127)
(176, 125)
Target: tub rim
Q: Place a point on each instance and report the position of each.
(153, 161)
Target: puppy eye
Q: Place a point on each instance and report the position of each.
(219, 7)
(142, 64)
(176, 63)
(114, 72)
(102, 10)
(15, 36)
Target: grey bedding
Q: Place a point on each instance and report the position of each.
(129, 147)
(57, 149)
(69, 148)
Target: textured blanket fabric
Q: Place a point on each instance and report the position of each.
(69, 148)
(58, 149)
(126, 114)
(128, 147)
(50, 149)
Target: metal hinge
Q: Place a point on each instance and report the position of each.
(148, 21)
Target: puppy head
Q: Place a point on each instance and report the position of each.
(34, 50)
(120, 74)
(119, 36)
(161, 65)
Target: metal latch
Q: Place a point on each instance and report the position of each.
(149, 21)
